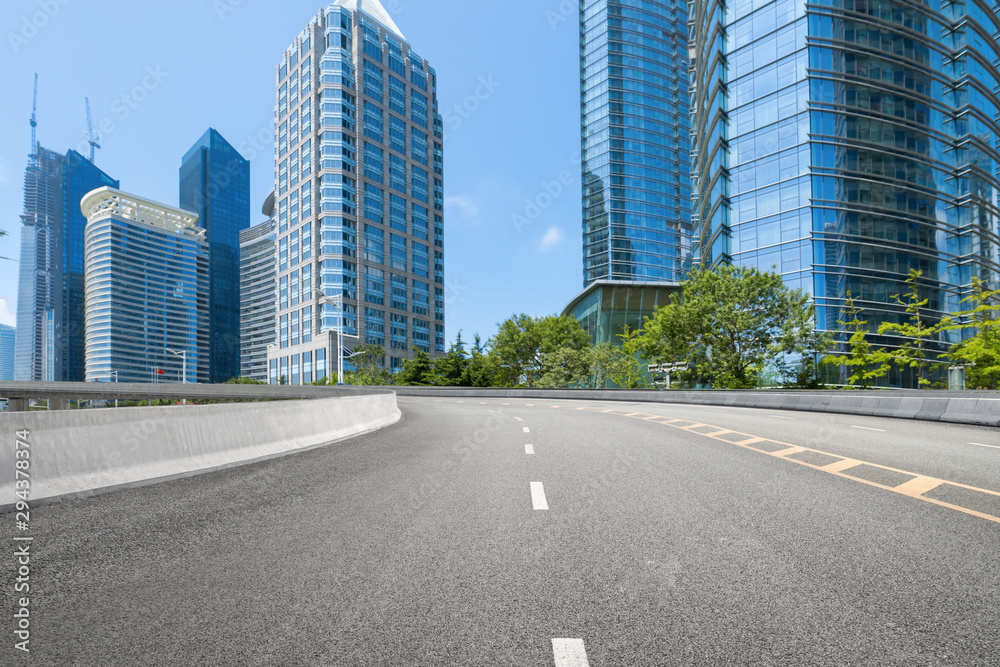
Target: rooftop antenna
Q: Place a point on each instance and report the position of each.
(90, 130)
(34, 121)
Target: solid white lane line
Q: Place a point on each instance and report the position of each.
(979, 444)
(865, 428)
(569, 653)
(529, 449)
(780, 417)
(527, 430)
(538, 496)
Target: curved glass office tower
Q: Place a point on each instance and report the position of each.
(845, 142)
(636, 168)
(147, 291)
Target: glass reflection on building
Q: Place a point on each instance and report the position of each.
(843, 143)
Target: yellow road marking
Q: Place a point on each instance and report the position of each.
(914, 488)
(841, 466)
(918, 486)
(786, 452)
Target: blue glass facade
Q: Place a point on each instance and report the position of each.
(147, 285)
(51, 291)
(845, 142)
(359, 194)
(6, 353)
(215, 184)
(635, 115)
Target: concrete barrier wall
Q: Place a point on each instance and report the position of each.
(976, 408)
(79, 453)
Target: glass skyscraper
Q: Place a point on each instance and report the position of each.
(636, 160)
(215, 184)
(845, 142)
(6, 353)
(146, 289)
(50, 328)
(359, 194)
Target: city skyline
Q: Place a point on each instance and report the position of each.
(491, 192)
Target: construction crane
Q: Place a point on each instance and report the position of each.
(90, 130)
(34, 120)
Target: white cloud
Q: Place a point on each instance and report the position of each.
(464, 206)
(553, 237)
(6, 317)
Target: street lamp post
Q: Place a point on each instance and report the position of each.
(115, 373)
(338, 302)
(184, 359)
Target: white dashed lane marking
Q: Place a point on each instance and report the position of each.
(569, 653)
(865, 428)
(538, 496)
(979, 444)
(527, 430)
(529, 449)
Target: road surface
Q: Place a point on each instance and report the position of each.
(521, 532)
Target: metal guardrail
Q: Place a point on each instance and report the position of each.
(60, 394)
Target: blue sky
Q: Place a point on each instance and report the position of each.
(159, 74)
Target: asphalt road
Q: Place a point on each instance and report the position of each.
(674, 535)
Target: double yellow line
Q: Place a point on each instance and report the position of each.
(916, 486)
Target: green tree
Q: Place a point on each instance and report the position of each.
(242, 380)
(417, 372)
(479, 370)
(605, 361)
(628, 374)
(369, 362)
(729, 324)
(980, 353)
(865, 363)
(449, 370)
(565, 367)
(523, 350)
(915, 351)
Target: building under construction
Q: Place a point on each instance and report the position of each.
(50, 299)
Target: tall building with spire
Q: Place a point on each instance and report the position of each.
(636, 169)
(50, 301)
(359, 195)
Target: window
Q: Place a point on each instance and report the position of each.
(397, 173)
(398, 293)
(373, 122)
(373, 81)
(397, 213)
(373, 162)
(418, 108)
(397, 95)
(398, 252)
(374, 203)
(418, 145)
(374, 244)
(397, 134)
(419, 186)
